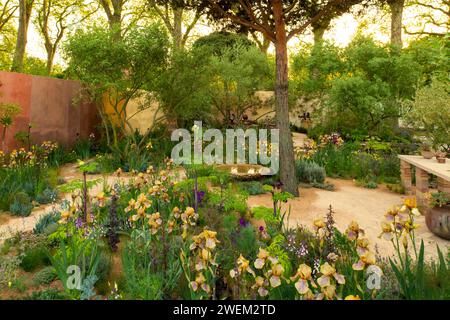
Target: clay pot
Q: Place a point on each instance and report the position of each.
(438, 221)
(427, 154)
(441, 160)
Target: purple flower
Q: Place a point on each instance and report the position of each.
(200, 196)
(261, 229)
(79, 223)
(278, 185)
(243, 222)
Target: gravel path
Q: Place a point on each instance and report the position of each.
(350, 202)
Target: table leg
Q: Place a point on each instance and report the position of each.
(405, 170)
(422, 187)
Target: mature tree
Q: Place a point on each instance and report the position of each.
(278, 21)
(25, 9)
(432, 13)
(396, 8)
(366, 98)
(175, 17)
(53, 19)
(116, 72)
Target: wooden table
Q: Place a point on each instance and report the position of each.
(424, 167)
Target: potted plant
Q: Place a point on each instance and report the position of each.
(438, 216)
(426, 150)
(441, 157)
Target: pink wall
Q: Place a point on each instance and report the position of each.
(50, 105)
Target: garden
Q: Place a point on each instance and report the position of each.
(336, 184)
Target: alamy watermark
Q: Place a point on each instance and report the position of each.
(237, 142)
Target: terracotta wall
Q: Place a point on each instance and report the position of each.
(50, 105)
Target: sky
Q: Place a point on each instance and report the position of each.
(375, 23)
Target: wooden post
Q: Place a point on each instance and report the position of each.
(422, 187)
(405, 170)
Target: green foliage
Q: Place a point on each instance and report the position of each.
(252, 187)
(217, 42)
(98, 58)
(431, 115)
(229, 200)
(218, 76)
(432, 55)
(45, 221)
(145, 278)
(44, 276)
(360, 87)
(439, 199)
(76, 252)
(8, 111)
(421, 280)
(277, 250)
(396, 187)
(21, 205)
(9, 266)
(77, 184)
(201, 170)
(309, 172)
(352, 160)
(47, 294)
(264, 213)
(47, 196)
(34, 258)
(83, 148)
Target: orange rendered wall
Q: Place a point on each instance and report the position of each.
(50, 105)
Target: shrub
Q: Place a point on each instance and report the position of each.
(48, 294)
(44, 276)
(252, 187)
(21, 206)
(8, 269)
(430, 111)
(34, 258)
(45, 221)
(47, 196)
(309, 172)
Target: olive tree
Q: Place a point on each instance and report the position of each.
(430, 114)
(116, 72)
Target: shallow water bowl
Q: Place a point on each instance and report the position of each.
(245, 171)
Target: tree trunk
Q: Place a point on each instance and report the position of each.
(177, 35)
(50, 58)
(287, 165)
(25, 7)
(319, 30)
(265, 45)
(115, 25)
(396, 7)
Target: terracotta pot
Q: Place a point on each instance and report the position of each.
(441, 160)
(428, 154)
(438, 221)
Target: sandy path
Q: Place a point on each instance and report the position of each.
(350, 202)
